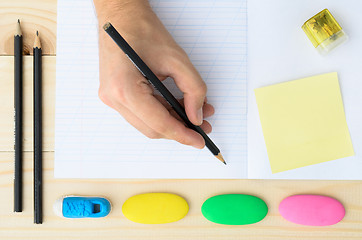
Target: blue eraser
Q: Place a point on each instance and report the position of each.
(82, 207)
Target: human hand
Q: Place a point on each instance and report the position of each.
(123, 87)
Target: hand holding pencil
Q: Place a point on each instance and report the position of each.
(123, 87)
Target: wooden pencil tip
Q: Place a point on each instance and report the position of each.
(219, 156)
(18, 29)
(106, 25)
(37, 43)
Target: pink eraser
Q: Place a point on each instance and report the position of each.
(312, 210)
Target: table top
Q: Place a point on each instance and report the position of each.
(41, 15)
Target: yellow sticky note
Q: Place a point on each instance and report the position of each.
(303, 122)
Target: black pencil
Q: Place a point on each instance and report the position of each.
(157, 84)
(38, 208)
(18, 119)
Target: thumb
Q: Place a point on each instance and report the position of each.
(189, 81)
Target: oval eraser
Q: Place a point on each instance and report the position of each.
(312, 210)
(234, 209)
(155, 208)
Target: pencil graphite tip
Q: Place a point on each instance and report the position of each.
(18, 29)
(220, 157)
(37, 43)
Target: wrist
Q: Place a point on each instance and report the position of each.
(119, 10)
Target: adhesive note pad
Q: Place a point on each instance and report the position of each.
(303, 122)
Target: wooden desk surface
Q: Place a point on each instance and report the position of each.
(41, 15)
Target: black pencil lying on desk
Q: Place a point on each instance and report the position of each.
(157, 84)
(38, 195)
(18, 119)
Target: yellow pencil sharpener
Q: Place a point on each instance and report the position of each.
(324, 32)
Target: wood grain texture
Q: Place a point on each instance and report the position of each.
(7, 103)
(34, 15)
(193, 226)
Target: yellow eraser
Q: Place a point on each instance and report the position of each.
(324, 32)
(155, 208)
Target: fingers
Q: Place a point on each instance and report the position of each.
(189, 81)
(208, 110)
(206, 126)
(130, 117)
(159, 121)
(158, 118)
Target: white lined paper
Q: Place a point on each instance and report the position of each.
(94, 141)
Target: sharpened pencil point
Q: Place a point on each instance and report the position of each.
(219, 156)
(37, 43)
(18, 29)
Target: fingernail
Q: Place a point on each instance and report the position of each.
(200, 117)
